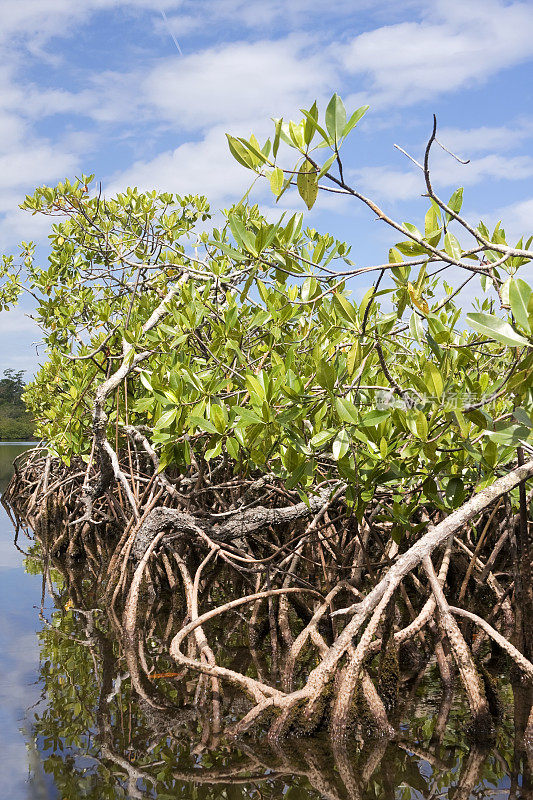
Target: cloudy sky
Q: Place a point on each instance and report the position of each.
(141, 92)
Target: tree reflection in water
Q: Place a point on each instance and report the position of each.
(101, 738)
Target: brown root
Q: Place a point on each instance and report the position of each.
(315, 593)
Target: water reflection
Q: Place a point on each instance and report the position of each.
(92, 736)
(21, 772)
(8, 453)
(97, 734)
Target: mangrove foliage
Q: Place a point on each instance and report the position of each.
(339, 485)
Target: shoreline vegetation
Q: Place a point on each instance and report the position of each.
(339, 487)
(16, 424)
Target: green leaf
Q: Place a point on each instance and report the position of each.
(432, 226)
(416, 328)
(230, 251)
(219, 417)
(395, 257)
(455, 491)
(232, 446)
(145, 380)
(255, 388)
(249, 417)
(368, 296)
(347, 411)
(255, 150)
(200, 422)
(277, 135)
(433, 380)
(313, 122)
(464, 427)
(325, 375)
(495, 328)
(214, 449)
(353, 359)
(335, 118)
(421, 425)
(291, 459)
(435, 349)
(360, 436)
(452, 246)
(374, 418)
(293, 228)
(326, 165)
(410, 248)
(247, 286)
(479, 419)
(511, 435)
(345, 308)
(455, 203)
(340, 445)
(504, 293)
(167, 418)
(519, 297)
(307, 183)
(320, 439)
(244, 237)
(354, 119)
(240, 153)
(522, 417)
(296, 133)
(309, 288)
(276, 181)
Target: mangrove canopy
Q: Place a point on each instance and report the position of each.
(341, 484)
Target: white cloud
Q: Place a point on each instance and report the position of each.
(517, 221)
(293, 14)
(391, 184)
(15, 322)
(486, 138)
(18, 334)
(521, 213)
(204, 167)
(457, 45)
(17, 225)
(395, 184)
(22, 168)
(12, 128)
(35, 165)
(22, 356)
(43, 19)
(493, 166)
(28, 158)
(177, 25)
(238, 81)
(232, 88)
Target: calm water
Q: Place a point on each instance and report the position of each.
(20, 596)
(70, 727)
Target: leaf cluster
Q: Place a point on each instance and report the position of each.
(261, 356)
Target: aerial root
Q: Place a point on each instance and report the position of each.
(482, 725)
(528, 733)
(311, 663)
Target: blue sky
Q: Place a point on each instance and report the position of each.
(141, 92)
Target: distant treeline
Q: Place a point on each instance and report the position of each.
(15, 422)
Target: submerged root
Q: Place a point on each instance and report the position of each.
(494, 700)
(371, 711)
(481, 724)
(274, 570)
(528, 733)
(389, 677)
